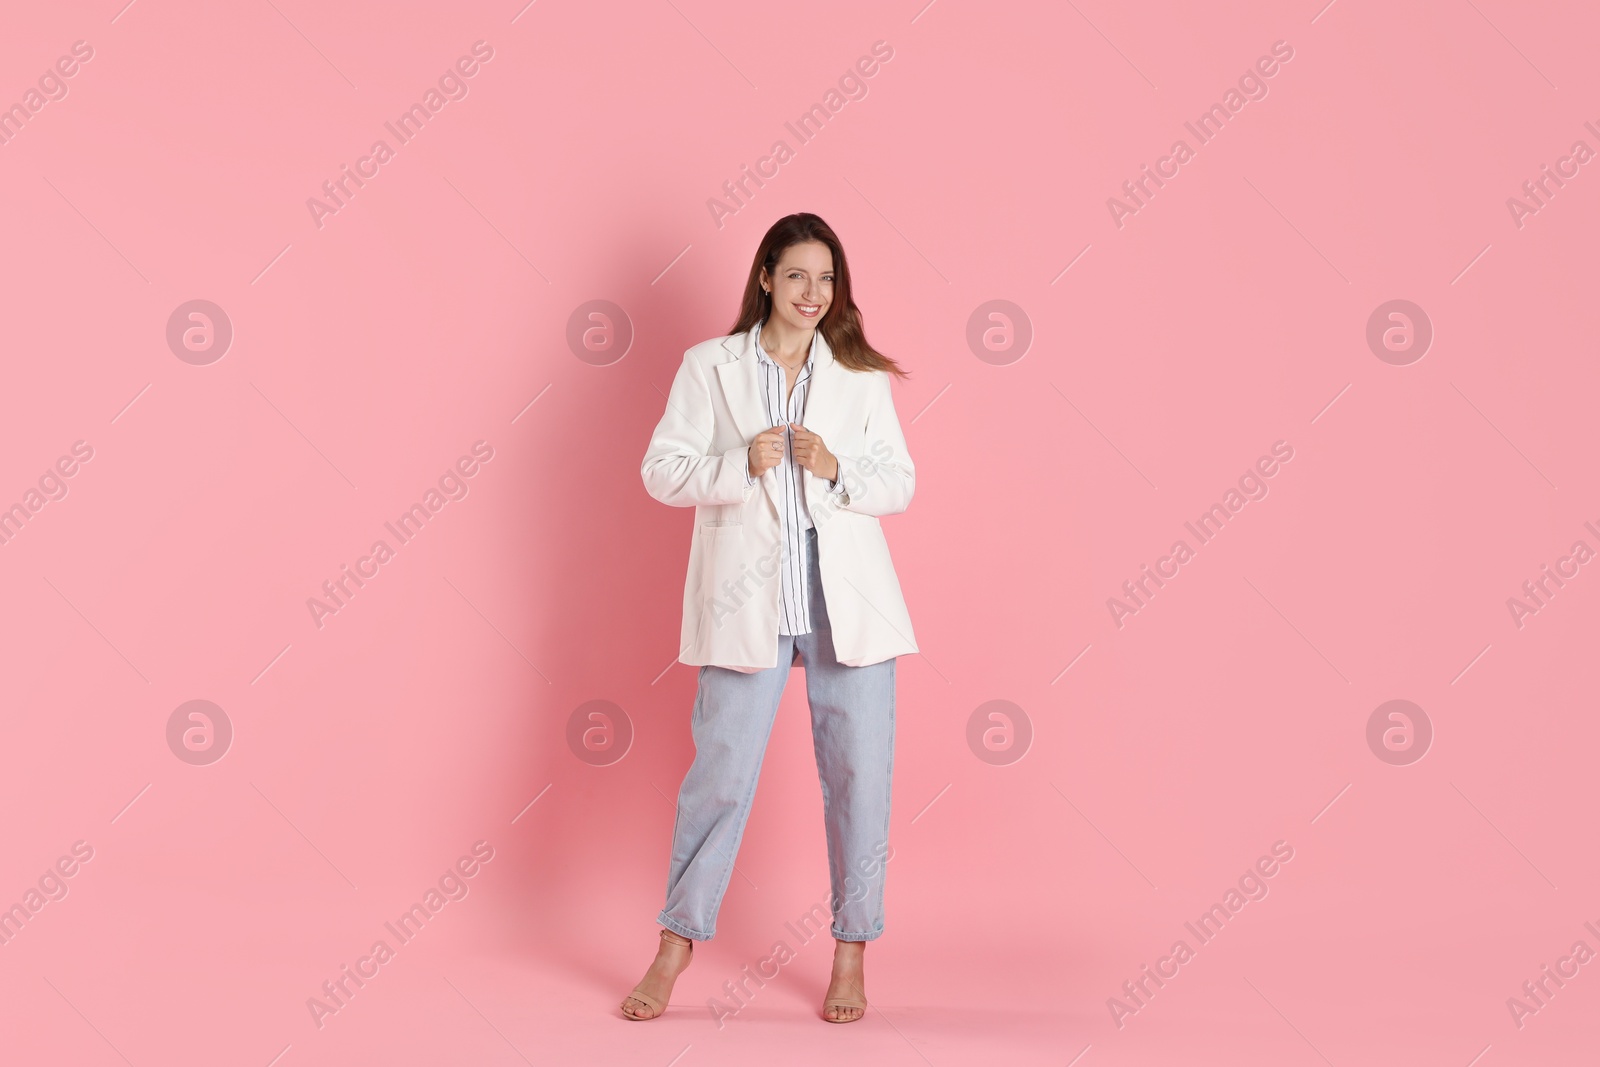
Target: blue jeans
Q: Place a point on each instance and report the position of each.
(852, 731)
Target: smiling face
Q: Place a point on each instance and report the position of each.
(802, 288)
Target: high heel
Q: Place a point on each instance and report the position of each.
(656, 1006)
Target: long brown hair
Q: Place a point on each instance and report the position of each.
(841, 326)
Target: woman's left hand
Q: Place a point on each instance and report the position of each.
(813, 455)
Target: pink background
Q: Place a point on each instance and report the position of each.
(432, 310)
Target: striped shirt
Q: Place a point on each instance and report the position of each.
(794, 606)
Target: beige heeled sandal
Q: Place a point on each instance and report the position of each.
(656, 1006)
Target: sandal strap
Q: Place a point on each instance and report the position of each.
(646, 999)
(672, 937)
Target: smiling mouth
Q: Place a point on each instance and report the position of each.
(808, 310)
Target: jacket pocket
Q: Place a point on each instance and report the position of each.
(722, 550)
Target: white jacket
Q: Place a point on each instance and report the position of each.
(698, 457)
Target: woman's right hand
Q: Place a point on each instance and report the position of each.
(765, 451)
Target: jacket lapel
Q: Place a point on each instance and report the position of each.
(822, 395)
(741, 384)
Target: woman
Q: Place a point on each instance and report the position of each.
(783, 438)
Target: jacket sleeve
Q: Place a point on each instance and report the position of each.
(677, 467)
(880, 480)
